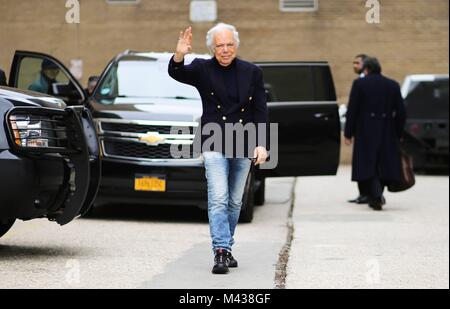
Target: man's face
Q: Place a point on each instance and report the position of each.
(51, 73)
(358, 65)
(91, 86)
(225, 47)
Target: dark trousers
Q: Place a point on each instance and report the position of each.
(373, 188)
(362, 189)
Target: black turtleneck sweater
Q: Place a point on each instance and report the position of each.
(229, 74)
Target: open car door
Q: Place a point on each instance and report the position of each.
(302, 100)
(45, 74)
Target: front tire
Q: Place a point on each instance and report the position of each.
(5, 226)
(89, 213)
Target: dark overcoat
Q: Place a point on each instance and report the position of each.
(375, 118)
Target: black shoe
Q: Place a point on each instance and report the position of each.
(362, 199)
(232, 263)
(221, 262)
(377, 204)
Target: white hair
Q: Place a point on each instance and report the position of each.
(217, 29)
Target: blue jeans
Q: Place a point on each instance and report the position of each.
(226, 184)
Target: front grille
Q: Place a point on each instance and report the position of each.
(121, 139)
(143, 151)
(138, 128)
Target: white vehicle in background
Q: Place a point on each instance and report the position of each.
(426, 131)
(411, 82)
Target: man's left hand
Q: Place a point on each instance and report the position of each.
(348, 141)
(260, 155)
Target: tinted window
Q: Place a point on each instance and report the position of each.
(428, 100)
(294, 83)
(323, 84)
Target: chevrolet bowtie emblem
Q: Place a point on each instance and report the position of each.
(152, 138)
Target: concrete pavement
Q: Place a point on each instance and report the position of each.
(335, 244)
(143, 247)
(256, 249)
(342, 245)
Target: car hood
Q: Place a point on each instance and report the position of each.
(152, 109)
(24, 97)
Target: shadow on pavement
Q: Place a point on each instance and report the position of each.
(157, 213)
(25, 252)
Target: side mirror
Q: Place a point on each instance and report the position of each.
(270, 95)
(68, 92)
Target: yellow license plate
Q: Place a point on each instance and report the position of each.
(149, 183)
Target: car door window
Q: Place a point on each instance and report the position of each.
(323, 84)
(39, 75)
(288, 83)
(298, 83)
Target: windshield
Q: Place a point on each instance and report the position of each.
(141, 79)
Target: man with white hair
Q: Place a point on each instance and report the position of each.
(232, 92)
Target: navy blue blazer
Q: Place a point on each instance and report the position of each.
(376, 118)
(205, 75)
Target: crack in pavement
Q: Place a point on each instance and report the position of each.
(283, 258)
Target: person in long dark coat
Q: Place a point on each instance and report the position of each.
(375, 120)
(358, 64)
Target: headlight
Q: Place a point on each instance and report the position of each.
(32, 131)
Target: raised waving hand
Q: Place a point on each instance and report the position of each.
(184, 45)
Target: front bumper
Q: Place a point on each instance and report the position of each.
(77, 157)
(185, 184)
(33, 187)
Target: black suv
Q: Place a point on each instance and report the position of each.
(136, 106)
(49, 159)
(426, 138)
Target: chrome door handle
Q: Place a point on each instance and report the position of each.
(324, 116)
